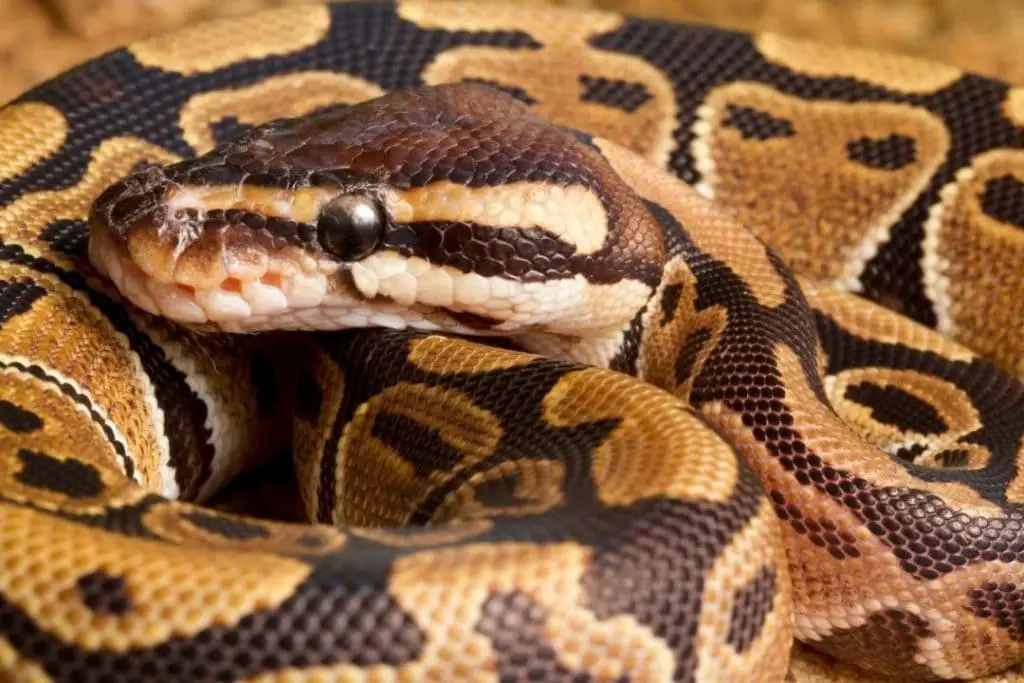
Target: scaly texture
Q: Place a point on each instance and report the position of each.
(776, 457)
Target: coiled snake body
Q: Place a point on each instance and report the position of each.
(560, 411)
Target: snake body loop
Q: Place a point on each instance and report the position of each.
(604, 348)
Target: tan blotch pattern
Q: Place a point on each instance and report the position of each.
(693, 463)
(548, 574)
(755, 548)
(375, 484)
(175, 590)
(212, 45)
(62, 422)
(29, 132)
(1013, 108)
(896, 72)
(23, 220)
(800, 190)
(443, 355)
(972, 261)
(678, 338)
(275, 97)
(550, 75)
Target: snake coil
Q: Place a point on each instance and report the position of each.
(606, 348)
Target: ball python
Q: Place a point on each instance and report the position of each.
(607, 348)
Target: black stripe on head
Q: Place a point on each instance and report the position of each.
(527, 254)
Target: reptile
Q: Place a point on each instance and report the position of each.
(606, 348)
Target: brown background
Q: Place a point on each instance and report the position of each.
(39, 38)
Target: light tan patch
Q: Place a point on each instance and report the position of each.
(14, 667)
(839, 447)
(175, 590)
(874, 322)
(212, 45)
(302, 205)
(171, 522)
(275, 97)
(682, 457)
(93, 355)
(377, 486)
(895, 72)
(29, 132)
(952, 404)
(802, 193)
(574, 214)
(444, 355)
(23, 220)
(972, 259)
(686, 341)
(1015, 489)
(963, 647)
(756, 547)
(551, 75)
(64, 422)
(1013, 106)
(711, 230)
(446, 589)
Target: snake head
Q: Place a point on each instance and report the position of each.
(441, 208)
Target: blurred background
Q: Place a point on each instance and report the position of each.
(39, 38)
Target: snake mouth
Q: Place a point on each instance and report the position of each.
(238, 280)
(222, 277)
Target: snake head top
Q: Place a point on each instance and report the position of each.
(450, 207)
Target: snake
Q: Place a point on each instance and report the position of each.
(599, 348)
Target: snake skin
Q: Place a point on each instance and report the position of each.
(694, 458)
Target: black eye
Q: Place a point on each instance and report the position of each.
(351, 227)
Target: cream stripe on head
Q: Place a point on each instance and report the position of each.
(572, 213)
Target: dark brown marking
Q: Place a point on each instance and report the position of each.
(757, 125)
(890, 153)
(18, 419)
(104, 593)
(893, 406)
(234, 529)
(1002, 604)
(526, 254)
(421, 446)
(955, 458)
(324, 622)
(72, 478)
(17, 297)
(670, 296)
(891, 636)
(515, 625)
(613, 92)
(687, 355)
(750, 608)
(69, 237)
(500, 492)
(1003, 200)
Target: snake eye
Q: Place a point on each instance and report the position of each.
(351, 227)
